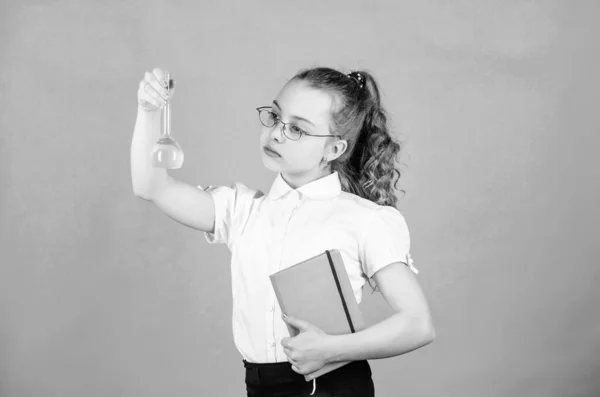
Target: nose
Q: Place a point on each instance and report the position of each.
(276, 132)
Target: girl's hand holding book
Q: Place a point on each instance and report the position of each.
(309, 350)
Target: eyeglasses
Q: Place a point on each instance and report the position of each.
(290, 130)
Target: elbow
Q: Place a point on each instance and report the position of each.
(430, 336)
(137, 189)
(428, 332)
(142, 191)
(142, 195)
(138, 193)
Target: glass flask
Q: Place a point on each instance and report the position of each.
(167, 153)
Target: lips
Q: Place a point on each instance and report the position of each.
(268, 149)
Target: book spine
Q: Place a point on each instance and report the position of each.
(337, 364)
(337, 283)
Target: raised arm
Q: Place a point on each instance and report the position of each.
(180, 201)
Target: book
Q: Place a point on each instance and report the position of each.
(318, 290)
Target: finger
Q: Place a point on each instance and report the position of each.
(298, 370)
(147, 100)
(150, 92)
(161, 91)
(297, 323)
(150, 78)
(152, 97)
(161, 76)
(149, 104)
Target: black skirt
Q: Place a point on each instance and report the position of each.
(280, 380)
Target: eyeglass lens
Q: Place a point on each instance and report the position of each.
(268, 118)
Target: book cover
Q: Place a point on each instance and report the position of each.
(318, 290)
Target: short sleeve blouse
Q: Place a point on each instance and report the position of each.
(385, 240)
(232, 205)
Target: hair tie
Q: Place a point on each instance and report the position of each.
(358, 78)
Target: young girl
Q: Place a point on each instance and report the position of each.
(325, 136)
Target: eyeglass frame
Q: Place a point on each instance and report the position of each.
(278, 120)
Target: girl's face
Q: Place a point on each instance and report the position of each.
(309, 109)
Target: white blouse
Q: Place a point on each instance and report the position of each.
(267, 233)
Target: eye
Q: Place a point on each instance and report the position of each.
(297, 130)
(274, 115)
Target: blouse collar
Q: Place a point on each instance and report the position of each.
(326, 187)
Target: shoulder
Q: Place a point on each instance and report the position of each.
(357, 203)
(374, 218)
(388, 219)
(367, 208)
(247, 191)
(235, 189)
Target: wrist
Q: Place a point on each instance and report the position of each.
(334, 348)
(151, 114)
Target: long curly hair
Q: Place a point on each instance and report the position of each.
(367, 167)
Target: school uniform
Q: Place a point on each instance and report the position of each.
(267, 233)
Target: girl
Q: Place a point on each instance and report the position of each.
(325, 136)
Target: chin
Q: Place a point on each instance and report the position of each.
(270, 164)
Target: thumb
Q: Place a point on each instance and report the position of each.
(301, 325)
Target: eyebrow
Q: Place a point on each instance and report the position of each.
(296, 117)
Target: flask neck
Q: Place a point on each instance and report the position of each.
(167, 119)
(167, 110)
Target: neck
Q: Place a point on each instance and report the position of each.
(297, 179)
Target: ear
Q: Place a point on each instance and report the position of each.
(336, 150)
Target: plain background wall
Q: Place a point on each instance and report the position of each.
(496, 103)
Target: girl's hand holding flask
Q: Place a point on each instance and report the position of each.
(155, 92)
